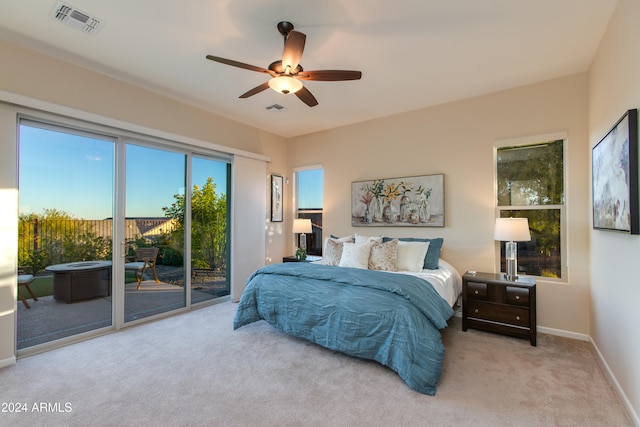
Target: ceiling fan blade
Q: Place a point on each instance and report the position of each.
(305, 96)
(239, 64)
(330, 75)
(255, 90)
(293, 48)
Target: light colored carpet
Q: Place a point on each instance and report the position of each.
(195, 370)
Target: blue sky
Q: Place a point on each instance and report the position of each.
(310, 189)
(74, 174)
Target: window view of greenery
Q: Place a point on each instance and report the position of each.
(309, 197)
(530, 182)
(56, 237)
(209, 238)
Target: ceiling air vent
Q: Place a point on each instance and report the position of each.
(75, 18)
(276, 107)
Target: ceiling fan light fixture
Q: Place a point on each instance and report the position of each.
(285, 84)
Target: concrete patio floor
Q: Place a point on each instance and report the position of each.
(49, 319)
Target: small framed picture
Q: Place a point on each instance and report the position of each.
(277, 192)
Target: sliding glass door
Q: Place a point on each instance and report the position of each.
(209, 230)
(115, 230)
(66, 181)
(154, 271)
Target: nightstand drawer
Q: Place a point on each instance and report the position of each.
(518, 296)
(476, 290)
(516, 316)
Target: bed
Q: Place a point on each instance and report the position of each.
(392, 317)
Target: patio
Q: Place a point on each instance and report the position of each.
(49, 319)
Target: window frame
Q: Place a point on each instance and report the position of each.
(564, 233)
(295, 209)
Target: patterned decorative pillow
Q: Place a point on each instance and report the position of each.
(355, 255)
(384, 256)
(332, 252)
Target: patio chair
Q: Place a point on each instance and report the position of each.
(144, 258)
(23, 281)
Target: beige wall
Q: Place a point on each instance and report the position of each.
(46, 81)
(457, 139)
(614, 87)
(8, 235)
(42, 77)
(278, 233)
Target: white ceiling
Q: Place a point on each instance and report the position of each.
(412, 53)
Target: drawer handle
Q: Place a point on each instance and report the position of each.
(517, 296)
(476, 292)
(476, 310)
(517, 317)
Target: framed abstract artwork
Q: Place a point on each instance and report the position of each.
(614, 168)
(277, 193)
(415, 201)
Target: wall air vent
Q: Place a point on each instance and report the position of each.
(75, 18)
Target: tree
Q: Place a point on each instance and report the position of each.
(208, 225)
(56, 237)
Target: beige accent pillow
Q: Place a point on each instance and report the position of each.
(332, 252)
(384, 256)
(411, 255)
(355, 255)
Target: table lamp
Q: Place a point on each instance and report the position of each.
(302, 226)
(510, 231)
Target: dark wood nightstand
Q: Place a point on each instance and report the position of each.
(310, 258)
(492, 303)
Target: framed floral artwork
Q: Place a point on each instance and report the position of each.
(415, 201)
(277, 192)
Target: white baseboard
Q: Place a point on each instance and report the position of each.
(616, 385)
(7, 362)
(605, 366)
(563, 333)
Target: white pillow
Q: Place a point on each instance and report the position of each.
(411, 255)
(363, 239)
(355, 255)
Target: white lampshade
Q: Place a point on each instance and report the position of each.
(285, 84)
(512, 230)
(302, 225)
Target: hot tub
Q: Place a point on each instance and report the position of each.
(76, 281)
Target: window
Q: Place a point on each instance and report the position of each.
(530, 184)
(309, 188)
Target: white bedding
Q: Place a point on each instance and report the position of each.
(446, 280)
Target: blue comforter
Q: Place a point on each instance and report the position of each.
(391, 318)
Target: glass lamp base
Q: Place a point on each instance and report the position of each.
(303, 241)
(511, 255)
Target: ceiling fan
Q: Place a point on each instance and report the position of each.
(287, 73)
